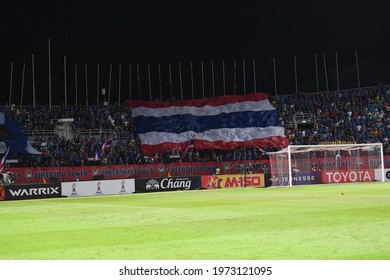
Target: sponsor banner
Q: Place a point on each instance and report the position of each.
(101, 187)
(378, 174)
(167, 184)
(233, 181)
(348, 176)
(33, 191)
(88, 173)
(298, 179)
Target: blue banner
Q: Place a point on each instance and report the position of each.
(14, 137)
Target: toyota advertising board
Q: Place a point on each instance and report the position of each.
(348, 176)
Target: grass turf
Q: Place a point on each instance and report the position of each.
(349, 221)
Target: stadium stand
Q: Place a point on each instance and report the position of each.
(347, 116)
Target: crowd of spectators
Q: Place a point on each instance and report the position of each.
(348, 116)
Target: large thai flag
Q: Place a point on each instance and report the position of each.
(224, 122)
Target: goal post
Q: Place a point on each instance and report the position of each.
(315, 164)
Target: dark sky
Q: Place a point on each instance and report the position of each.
(160, 32)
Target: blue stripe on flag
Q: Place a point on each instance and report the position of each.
(183, 123)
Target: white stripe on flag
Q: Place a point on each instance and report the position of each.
(225, 134)
(207, 110)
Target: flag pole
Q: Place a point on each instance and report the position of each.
(65, 88)
(212, 77)
(86, 84)
(275, 83)
(10, 83)
(192, 81)
(119, 84)
(243, 74)
(49, 74)
(139, 82)
(254, 75)
(357, 68)
(130, 81)
(337, 73)
(150, 83)
(326, 73)
(202, 80)
(22, 89)
(109, 84)
(235, 77)
(159, 81)
(97, 84)
(316, 65)
(33, 78)
(181, 82)
(170, 79)
(75, 81)
(296, 74)
(223, 77)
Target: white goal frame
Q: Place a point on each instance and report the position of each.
(283, 163)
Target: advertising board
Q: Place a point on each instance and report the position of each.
(233, 181)
(99, 187)
(33, 191)
(167, 184)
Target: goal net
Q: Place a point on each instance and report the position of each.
(316, 164)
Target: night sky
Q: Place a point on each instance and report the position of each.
(146, 32)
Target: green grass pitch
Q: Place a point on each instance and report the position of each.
(328, 222)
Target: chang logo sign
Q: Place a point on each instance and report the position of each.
(167, 184)
(176, 183)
